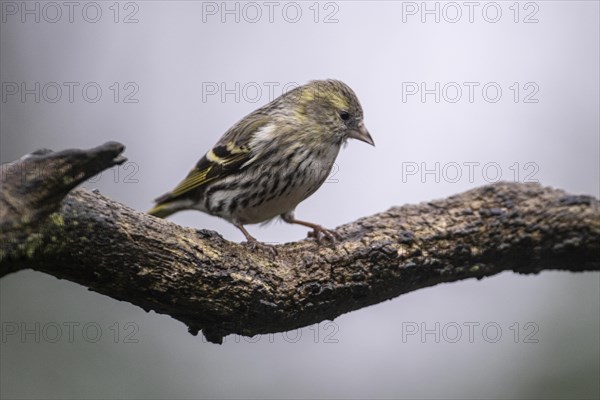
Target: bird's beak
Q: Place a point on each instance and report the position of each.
(362, 134)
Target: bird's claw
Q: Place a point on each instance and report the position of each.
(320, 234)
(267, 248)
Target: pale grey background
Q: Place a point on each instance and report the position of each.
(171, 52)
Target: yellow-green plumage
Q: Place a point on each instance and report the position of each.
(273, 158)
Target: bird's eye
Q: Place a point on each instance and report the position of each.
(344, 115)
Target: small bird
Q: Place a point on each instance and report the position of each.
(272, 159)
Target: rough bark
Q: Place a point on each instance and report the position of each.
(221, 287)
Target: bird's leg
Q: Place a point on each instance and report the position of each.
(253, 243)
(319, 232)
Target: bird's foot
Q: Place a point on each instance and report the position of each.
(255, 245)
(323, 235)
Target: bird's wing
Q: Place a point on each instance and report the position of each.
(232, 153)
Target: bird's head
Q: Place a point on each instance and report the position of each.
(331, 110)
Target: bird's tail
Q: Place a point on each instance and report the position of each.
(168, 204)
(162, 210)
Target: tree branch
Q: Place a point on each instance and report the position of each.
(221, 287)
